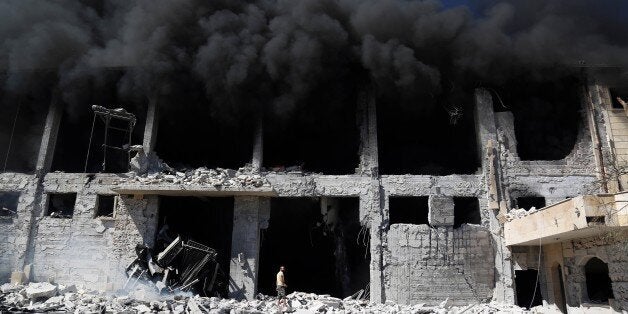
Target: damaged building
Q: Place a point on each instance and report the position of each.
(521, 200)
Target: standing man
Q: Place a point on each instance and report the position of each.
(281, 287)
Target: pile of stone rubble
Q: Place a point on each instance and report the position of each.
(515, 213)
(243, 177)
(46, 297)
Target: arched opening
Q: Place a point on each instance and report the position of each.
(599, 288)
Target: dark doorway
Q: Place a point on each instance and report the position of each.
(408, 210)
(206, 220)
(599, 285)
(323, 253)
(528, 288)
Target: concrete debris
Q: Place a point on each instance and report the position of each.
(305, 303)
(515, 213)
(219, 177)
(184, 265)
(40, 290)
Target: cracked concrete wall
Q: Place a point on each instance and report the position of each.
(409, 263)
(14, 231)
(83, 249)
(250, 214)
(612, 248)
(427, 265)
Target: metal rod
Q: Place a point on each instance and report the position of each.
(17, 112)
(104, 150)
(89, 146)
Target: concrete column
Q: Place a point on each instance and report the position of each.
(49, 137)
(485, 126)
(151, 126)
(249, 215)
(367, 122)
(484, 122)
(258, 145)
(372, 210)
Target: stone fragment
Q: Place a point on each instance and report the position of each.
(40, 290)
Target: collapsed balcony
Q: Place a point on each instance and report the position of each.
(579, 217)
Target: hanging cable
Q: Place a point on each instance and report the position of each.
(538, 271)
(17, 113)
(91, 135)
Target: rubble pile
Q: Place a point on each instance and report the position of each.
(219, 177)
(515, 213)
(184, 265)
(46, 297)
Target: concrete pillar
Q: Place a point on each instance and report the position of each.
(49, 137)
(250, 213)
(372, 209)
(485, 126)
(151, 126)
(484, 122)
(367, 123)
(441, 210)
(258, 144)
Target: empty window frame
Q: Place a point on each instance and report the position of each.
(408, 210)
(61, 205)
(8, 205)
(105, 206)
(466, 211)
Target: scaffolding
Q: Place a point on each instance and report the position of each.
(107, 116)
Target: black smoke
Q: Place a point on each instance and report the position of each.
(278, 54)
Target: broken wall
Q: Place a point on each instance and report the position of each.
(14, 230)
(611, 248)
(427, 265)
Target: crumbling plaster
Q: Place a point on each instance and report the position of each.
(404, 258)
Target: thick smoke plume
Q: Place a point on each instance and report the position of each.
(280, 53)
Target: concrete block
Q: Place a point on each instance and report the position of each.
(441, 210)
(18, 278)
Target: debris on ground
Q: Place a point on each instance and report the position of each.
(16, 299)
(182, 266)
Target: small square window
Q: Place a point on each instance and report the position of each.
(8, 205)
(61, 205)
(409, 210)
(466, 211)
(105, 206)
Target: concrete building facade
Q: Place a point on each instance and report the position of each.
(427, 237)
